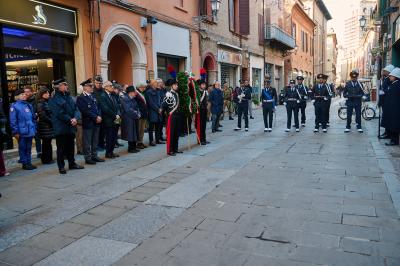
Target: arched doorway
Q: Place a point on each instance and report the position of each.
(209, 64)
(120, 66)
(121, 42)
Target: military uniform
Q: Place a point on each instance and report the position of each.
(170, 105)
(353, 92)
(90, 112)
(227, 101)
(292, 101)
(320, 96)
(201, 118)
(303, 90)
(243, 98)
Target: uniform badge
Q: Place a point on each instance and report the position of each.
(12, 109)
(27, 110)
(89, 106)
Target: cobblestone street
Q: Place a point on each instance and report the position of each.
(248, 198)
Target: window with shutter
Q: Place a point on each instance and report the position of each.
(244, 17)
(261, 29)
(202, 7)
(232, 21)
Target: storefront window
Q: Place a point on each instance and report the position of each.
(36, 59)
(162, 65)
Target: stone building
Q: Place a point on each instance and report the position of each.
(331, 56)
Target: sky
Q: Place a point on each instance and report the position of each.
(340, 10)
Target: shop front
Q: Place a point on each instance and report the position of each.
(229, 67)
(257, 79)
(36, 45)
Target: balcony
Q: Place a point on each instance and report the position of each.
(275, 35)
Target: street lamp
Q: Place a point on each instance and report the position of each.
(363, 22)
(215, 5)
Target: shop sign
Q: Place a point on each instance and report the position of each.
(39, 15)
(229, 57)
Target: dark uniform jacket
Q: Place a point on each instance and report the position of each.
(154, 101)
(45, 126)
(216, 99)
(130, 114)
(292, 95)
(90, 110)
(204, 100)
(385, 83)
(391, 119)
(63, 109)
(109, 108)
(320, 92)
(353, 91)
(168, 106)
(303, 90)
(247, 95)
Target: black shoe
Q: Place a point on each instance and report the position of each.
(133, 151)
(98, 160)
(160, 142)
(178, 151)
(152, 144)
(28, 167)
(62, 171)
(392, 143)
(115, 155)
(49, 162)
(75, 167)
(231, 118)
(171, 154)
(119, 144)
(207, 142)
(89, 162)
(109, 156)
(251, 117)
(203, 143)
(218, 130)
(384, 136)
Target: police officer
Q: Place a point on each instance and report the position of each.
(91, 121)
(303, 90)
(64, 118)
(203, 104)
(320, 96)
(269, 99)
(292, 101)
(354, 93)
(242, 97)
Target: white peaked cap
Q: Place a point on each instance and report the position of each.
(395, 73)
(389, 68)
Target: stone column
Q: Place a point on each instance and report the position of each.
(104, 69)
(139, 72)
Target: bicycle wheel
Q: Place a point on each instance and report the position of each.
(368, 113)
(342, 113)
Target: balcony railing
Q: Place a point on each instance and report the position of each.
(274, 33)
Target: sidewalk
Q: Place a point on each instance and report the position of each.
(249, 198)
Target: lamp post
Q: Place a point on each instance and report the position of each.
(215, 5)
(363, 22)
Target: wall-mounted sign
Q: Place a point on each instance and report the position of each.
(39, 15)
(229, 57)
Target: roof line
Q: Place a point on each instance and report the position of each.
(324, 9)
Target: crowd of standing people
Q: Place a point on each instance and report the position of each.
(94, 120)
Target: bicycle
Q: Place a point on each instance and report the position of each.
(367, 112)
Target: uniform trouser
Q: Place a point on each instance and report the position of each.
(154, 127)
(102, 137)
(25, 150)
(356, 106)
(215, 121)
(243, 110)
(203, 124)
(268, 114)
(228, 106)
(47, 150)
(302, 107)
(328, 110)
(142, 126)
(292, 108)
(79, 138)
(111, 139)
(65, 148)
(3, 170)
(90, 141)
(173, 133)
(320, 108)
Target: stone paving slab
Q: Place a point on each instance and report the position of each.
(138, 224)
(191, 189)
(89, 251)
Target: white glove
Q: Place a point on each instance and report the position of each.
(305, 98)
(381, 93)
(364, 97)
(298, 101)
(325, 98)
(313, 101)
(285, 103)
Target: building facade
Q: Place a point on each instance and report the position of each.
(389, 36)
(300, 61)
(79, 39)
(320, 14)
(331, 56)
